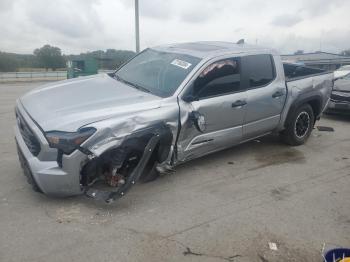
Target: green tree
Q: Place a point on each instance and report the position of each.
(50, 57)
(8, 63)
(345, 52)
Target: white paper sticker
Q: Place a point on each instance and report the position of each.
(181, 63)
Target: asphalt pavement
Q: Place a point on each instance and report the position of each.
(227, 206)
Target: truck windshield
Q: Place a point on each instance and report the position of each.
(157, 72)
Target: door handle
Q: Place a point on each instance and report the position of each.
(239, 103)
(278, 94)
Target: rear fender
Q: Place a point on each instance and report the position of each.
(313, 98)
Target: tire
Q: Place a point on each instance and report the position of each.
(299, 126)
(150, 173)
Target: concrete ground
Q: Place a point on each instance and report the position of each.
(224, 207)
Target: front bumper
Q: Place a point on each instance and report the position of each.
(338, 107)
(339, 103)
(45, 172)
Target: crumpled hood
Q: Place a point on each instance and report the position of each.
(71, 104)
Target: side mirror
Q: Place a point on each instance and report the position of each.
(189, 98)
(198, 120)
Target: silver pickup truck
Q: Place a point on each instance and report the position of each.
(101, 134)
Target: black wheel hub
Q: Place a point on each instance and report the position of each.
(302, 124)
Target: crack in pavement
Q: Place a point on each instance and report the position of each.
(190, 252)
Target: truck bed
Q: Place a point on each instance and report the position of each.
(303, 81)
(295, 71)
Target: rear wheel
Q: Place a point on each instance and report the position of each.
(300, 126)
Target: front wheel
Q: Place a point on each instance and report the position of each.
(300, 126)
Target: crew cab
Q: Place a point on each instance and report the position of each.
(169, 104)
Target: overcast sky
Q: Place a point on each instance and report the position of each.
(85, 25)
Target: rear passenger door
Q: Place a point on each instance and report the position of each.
(266, 94)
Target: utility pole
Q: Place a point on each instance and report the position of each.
(137, 31)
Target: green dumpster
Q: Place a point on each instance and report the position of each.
(81, 67)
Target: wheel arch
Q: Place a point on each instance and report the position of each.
(145, 141)
(139, 140)
(313, 99)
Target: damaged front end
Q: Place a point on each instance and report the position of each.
(110, 175)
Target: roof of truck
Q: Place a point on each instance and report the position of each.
(206, 49)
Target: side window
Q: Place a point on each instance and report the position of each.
(260, 70)
(221, 77)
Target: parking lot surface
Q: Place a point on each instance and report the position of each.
(227, 206)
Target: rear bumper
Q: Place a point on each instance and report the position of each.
(42, 169)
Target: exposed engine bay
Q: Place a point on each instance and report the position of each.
(111, 175)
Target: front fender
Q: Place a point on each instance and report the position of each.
(145, 141)
(113, 133)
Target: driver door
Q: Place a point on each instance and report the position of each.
(214, 106)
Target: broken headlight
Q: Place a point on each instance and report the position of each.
(67, 142)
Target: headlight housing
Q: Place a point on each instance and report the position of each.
(67, 142)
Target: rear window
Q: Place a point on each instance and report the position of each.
(260, 70)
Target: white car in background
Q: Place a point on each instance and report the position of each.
(342, 71)
(340, 97)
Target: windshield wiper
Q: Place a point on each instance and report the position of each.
(132, 84)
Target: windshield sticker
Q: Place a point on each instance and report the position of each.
(181, 63)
